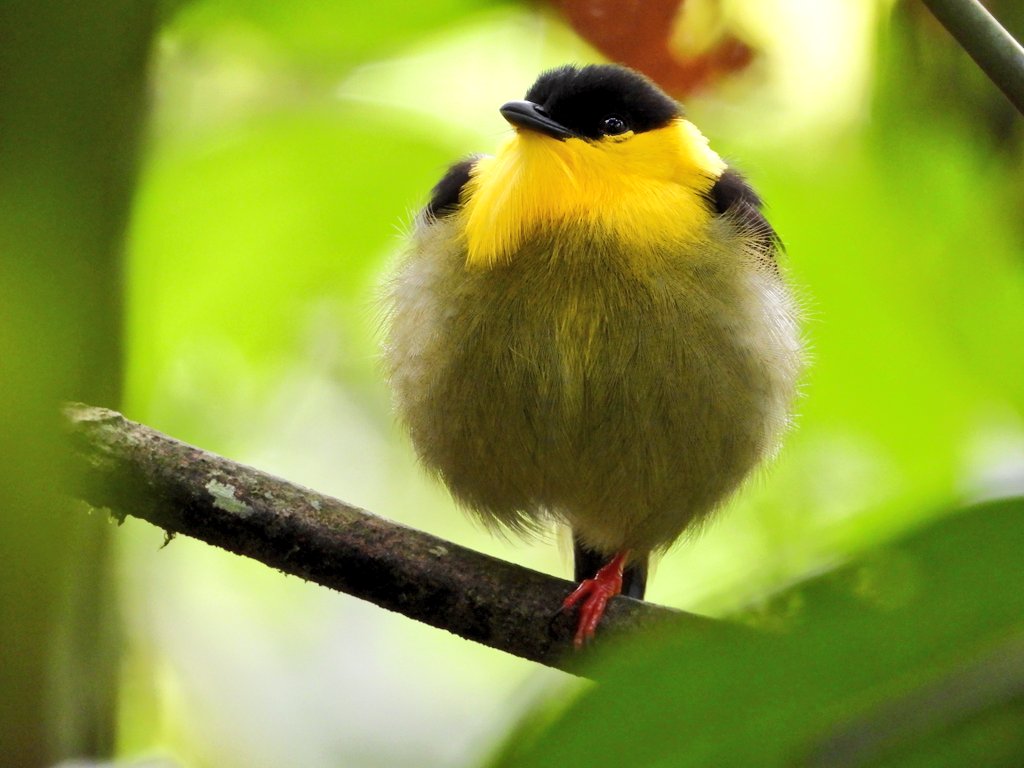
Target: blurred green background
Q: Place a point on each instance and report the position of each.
(287, 148)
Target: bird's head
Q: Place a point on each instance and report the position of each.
(596, 103)
(600, 147)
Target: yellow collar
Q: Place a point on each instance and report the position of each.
(641, 190)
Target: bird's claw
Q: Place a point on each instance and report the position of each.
(595, 594)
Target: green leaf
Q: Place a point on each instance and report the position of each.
(329, 33)
(250, 246)
(913, 652)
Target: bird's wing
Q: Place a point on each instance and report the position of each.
(445, 196)
(731, 195)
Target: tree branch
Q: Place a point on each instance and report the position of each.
(137, 471)
(983, 37)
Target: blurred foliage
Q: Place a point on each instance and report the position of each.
(290, 145)
(229, 290)
(72, 101)
(315, 33)
(913, 656)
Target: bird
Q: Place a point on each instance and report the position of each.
(591, 327)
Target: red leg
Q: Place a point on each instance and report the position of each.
(595, 594)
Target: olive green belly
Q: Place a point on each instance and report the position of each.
(626, 402)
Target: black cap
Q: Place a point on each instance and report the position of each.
(593, 101)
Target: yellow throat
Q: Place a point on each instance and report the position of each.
(641, 189)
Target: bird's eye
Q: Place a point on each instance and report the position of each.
(613, 125)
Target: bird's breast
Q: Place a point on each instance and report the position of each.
(647, 192)
(579, 379)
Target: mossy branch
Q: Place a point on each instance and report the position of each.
(998, 54)
(134, 470)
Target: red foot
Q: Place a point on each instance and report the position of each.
(595, 594)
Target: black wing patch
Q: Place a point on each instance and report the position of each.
(732, 195)
(444, 198)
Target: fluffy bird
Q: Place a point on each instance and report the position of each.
(590, 326)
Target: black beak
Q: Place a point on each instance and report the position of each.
(532, 117)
